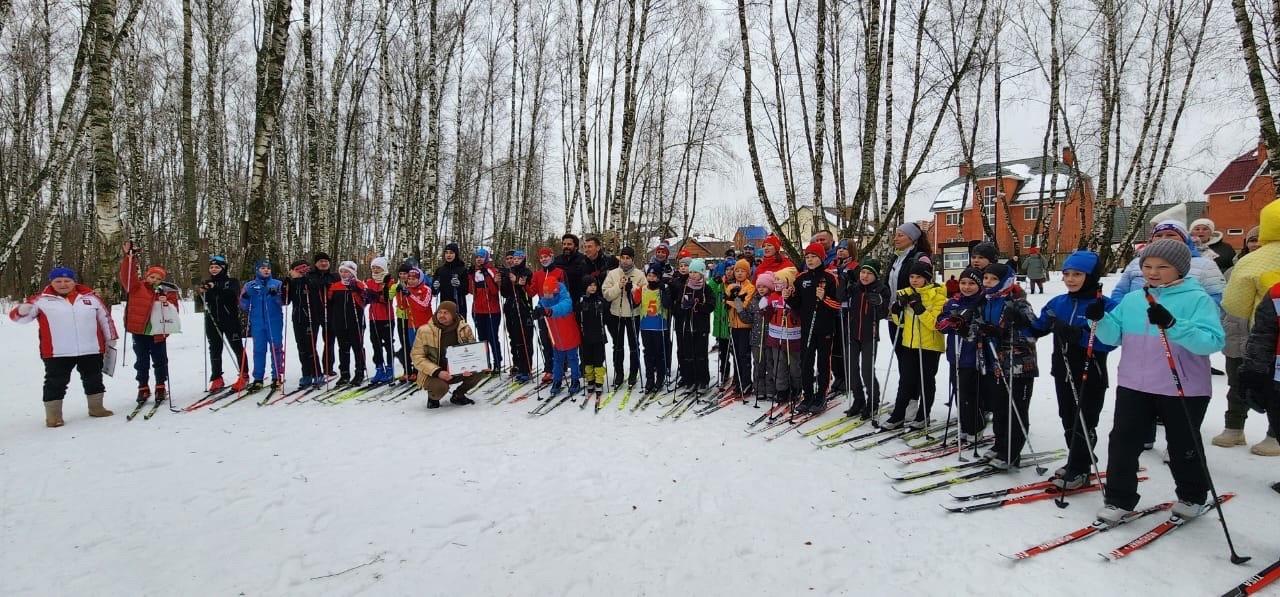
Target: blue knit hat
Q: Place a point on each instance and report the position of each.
(61, 272)
(1082, 261)
(518, 253)
(482, 253)
(261, 263)
(218, 260)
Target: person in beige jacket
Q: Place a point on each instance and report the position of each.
(429, 348)
(622, 287)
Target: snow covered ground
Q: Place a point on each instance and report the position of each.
(392, 499)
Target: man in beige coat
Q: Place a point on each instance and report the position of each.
(433, 340)
(622, 286)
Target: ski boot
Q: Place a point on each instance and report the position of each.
(343, 380)
(304, 383)
(555, 391)
(161, 393)
(240, 383)
(856, 408)
(521, 378)
(359, 377)
(1069, 481)
(1113, 515)
(382, 376)
(216, 384)
(253, 387)
(144, 394)
(1187, 510)
(575, 388)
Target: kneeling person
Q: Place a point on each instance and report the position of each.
(429, 349)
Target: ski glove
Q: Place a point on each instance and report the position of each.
(1014, 316)
(1095, 310)
(1066, 332)
(24, 309)
(990, 330)
(455, 282)
(1160, 317)
(916, 303)
(435, 285)
(538, 313)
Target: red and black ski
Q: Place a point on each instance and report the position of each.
(1085, 532)
(1256, 582)
(1149, 537)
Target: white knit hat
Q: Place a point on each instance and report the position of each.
(1205, 221)
(348, 265)
(378, 262)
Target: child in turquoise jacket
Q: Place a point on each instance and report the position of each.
(1183, 313)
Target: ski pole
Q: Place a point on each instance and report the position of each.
(1195, 434)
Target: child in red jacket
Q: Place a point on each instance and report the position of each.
(150, 316)
(378, 295)
(485, 308)
(556, 307)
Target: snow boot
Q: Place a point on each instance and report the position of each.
(303, 384)
(891, 424)
(144, 394)
(216, 384)
(1229, 438)
(433, 403)
(521, 378)
(1113, 515)
(1266, 447)
(95, 406)
(460, 399)
(555, 391)
(1187, 510)
(53, 413)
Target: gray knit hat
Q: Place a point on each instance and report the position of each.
(1175, 252)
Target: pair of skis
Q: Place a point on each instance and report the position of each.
(155, 407)
(1143, 540)
(971, 471)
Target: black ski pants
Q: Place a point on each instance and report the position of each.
(57, 374)
(1134, 413)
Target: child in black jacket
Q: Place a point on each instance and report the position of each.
(867, 301)
(693, 318)
(592, 309)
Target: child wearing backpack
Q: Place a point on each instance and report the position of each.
(1178, 323)
(1079, 365)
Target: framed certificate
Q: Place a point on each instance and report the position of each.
(467, 358)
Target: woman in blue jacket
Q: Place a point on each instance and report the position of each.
(261, 299)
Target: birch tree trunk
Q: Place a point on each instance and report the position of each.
(254, 230)
(186, 134)
(102, 16)
(1258, 85)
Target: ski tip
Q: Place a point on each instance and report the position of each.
(1110, 557)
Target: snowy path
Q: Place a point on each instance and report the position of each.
(485, 501)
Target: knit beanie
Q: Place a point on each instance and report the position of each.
(261, 263)
(1173, 225)
(297, 263)
(871, 265)
(380, 262)
(449, 306)
(1176, 253)
(986, 249)
(518, 254)
(697, 266)
(155, 269)
(972, 273)
(544, 252)
(999, 270)
(452, 247)
(1204, 221)
(348, 266)
(483, 253)
(923, 269)
(686, 260)
(655, 269)
(912, 230)
(588, 280)
(61, 272)
(1252, 234)
(766, 280)
(404, 268)
(817, 250)
(218, 260)
(744, 265)
(664, 247)
(772, 240)
(628, 251)
(1082, 261)
(319, 256)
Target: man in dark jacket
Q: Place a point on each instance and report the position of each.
(222, 320)
(450, 279)
(817, 305)
(308, 291)
(516, 310)
(574, 266)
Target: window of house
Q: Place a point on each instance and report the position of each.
(1028, 240)
(989, 205)
(1030, 213)
(1236, 198)
(1235, 231)
(953, 218)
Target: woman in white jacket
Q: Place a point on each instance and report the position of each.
(75, 331)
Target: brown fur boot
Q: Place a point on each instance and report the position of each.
(53, 413)
(95, 406)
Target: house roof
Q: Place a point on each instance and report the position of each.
(1030, 172)
(1236, 176)
(753, 232)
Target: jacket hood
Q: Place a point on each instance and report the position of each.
(1269, 223)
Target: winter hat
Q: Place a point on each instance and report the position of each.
(1034, 250)
(912, 230)
(744, 265)
(297, 263)
(817, 250)
(61, 271)
(449, 306)
(1269, 223)
(1176, 253)
(1082, 261)
(871, 265)
(379, 262)
(218, 260)
(452, 247)
(518, 253)
(1252, 234)
(550, 285)
(588, 280)
(1173, 225)
(415, 272)
(923, 269)
(155, 269)
(1204, 221)
(261, 263)
(348, 266)
(628, 251)
(404, 268)
(664, 247)
(986, 249)
(320, 255)
(972, 273)
(483, 253)
(749, 249)
(697, 266)
(730, 252)
(686, 260)
(655, 269)
(765, 279)
(544, 252)
(773, 241)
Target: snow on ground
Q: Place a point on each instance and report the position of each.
(382, 499)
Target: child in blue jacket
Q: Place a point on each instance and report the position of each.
(973, 378)
(262, 300)
(1077, 375)
(1184, 314)
(1005, 339)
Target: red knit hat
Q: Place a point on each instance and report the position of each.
(544, 252)
(817, 250)
(155, 269)
(773, 240)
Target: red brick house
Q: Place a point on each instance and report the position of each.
(1022, 181)
(1239, 193)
